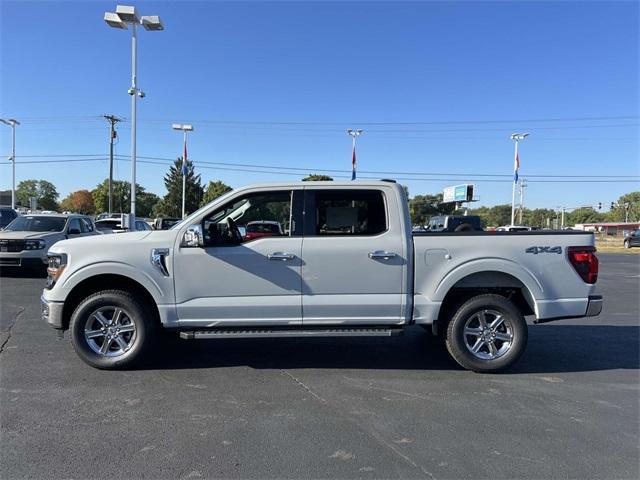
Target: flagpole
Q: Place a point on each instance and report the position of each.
(516, 164)
(513, 192)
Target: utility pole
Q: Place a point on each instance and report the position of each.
(12, 122)
(112, 119)
(523, 185)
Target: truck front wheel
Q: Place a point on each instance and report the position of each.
(487, 334)
(111, 329)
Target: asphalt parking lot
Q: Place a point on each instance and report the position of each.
(330, 408)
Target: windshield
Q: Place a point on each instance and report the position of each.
(37, 224)
(6, 216)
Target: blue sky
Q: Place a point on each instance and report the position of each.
(437, 86)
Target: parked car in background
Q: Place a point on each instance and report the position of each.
(26, 240)
(454, 223)
(262, 228)
(632, 240)
(7, 214)
(164, 223)
(104, 215)
(114, 225)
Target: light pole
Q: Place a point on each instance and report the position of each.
(124, 16)
(185, 128)
(12, 122)
(516, 165)
(354, 133)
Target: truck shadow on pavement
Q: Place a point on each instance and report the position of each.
(551, 349)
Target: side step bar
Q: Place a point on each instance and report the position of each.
(291, 332)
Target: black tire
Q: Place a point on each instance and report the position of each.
(497, 353)
(134, 317)
(627, 244)
(464, 227)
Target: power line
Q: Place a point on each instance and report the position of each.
(281, 169)
(447, 122)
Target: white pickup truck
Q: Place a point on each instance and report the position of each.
(345, 264)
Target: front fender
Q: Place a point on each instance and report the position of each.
(160, 293)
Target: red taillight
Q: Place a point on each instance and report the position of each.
(585, 262)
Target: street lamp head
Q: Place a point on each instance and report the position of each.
(127, 14)
(354, 132)
(113, 20)
(519, 136)
(152, 23)
(182, 126)
(10, 121)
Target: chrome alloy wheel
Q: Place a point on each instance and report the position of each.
(110, 332)
(488, 334)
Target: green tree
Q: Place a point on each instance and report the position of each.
(632, 210)
(171, 203)
(214, 190)
(584, 215)
(423, 207)
(314, 177)
(145, 201)
(44, 192)
(494, 216)
(539, 217)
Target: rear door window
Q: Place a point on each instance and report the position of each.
(348, 212)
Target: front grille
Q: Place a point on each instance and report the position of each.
(14, 262)
(12, 245)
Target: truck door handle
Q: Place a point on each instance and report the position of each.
(282, 256)
(382, 254)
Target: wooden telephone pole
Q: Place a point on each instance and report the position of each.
(112, 119)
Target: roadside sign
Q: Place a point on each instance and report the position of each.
(458, 193)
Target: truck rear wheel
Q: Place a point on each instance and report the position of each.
(111, 329)
(487, 334)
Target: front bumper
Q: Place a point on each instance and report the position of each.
(26, 258)
(52, 312)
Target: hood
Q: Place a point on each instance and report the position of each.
(24, 235)
(113, 242)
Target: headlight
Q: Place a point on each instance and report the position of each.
(34, 244)
(57, 264)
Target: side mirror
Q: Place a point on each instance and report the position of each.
(193, 237)
(74, 231)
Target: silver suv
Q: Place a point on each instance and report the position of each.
(26, 240)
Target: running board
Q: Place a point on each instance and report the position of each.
(293, 332)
